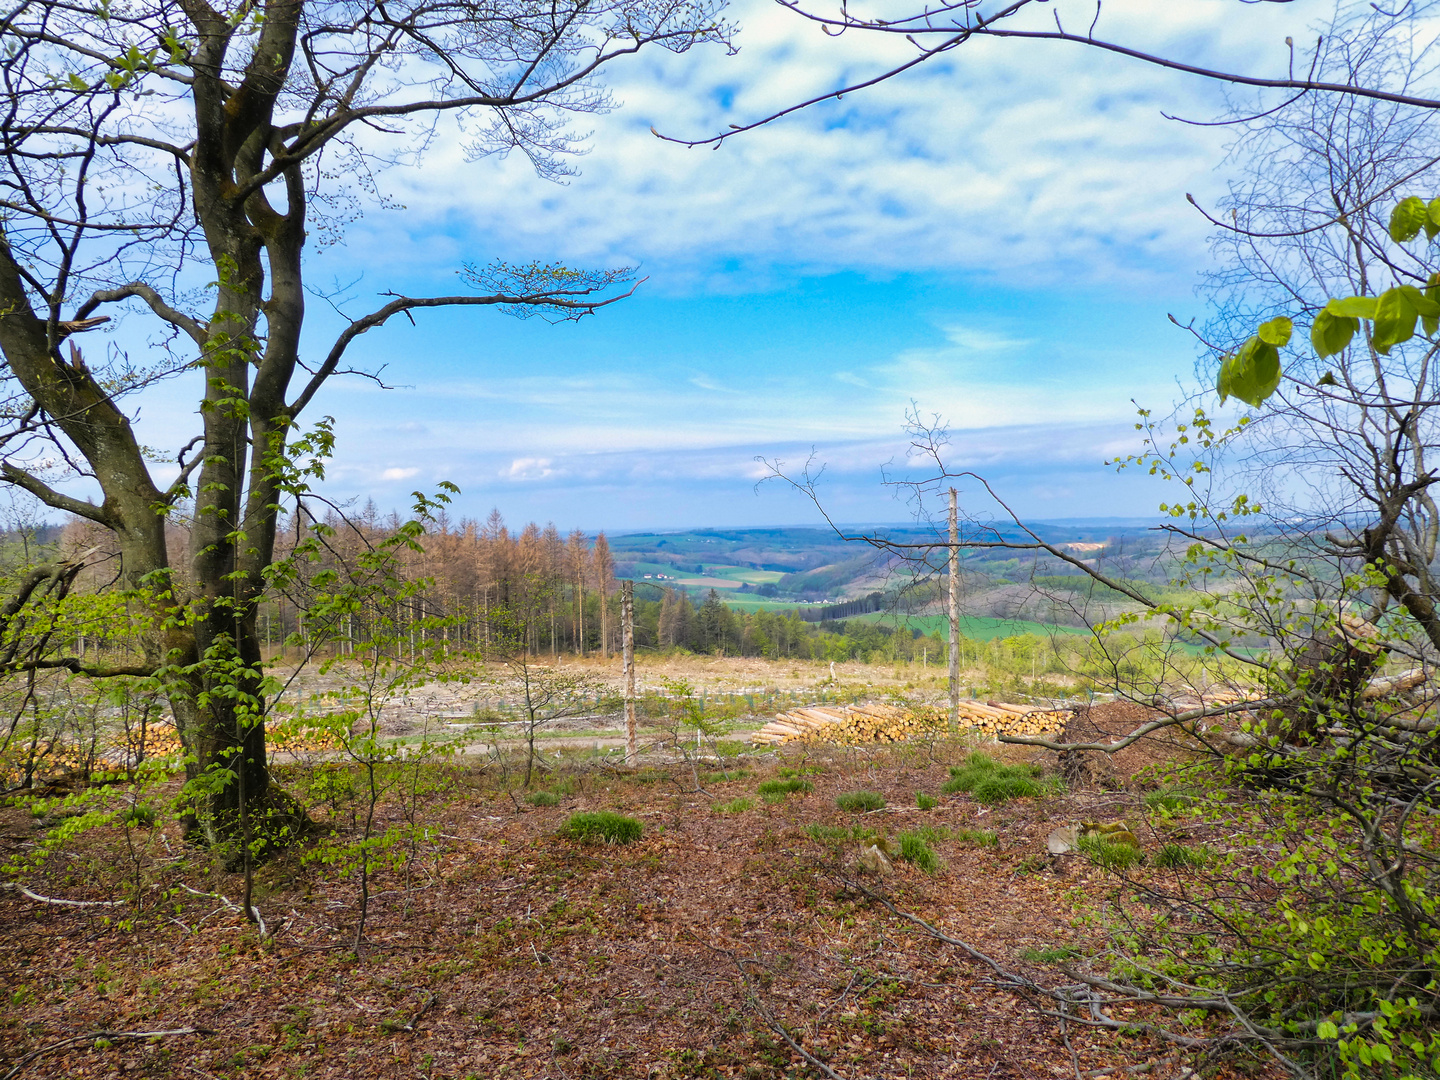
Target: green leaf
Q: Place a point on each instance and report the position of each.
(1327, 1030)
(1395, 317)
(1251, 374)
(1432, 212)
(1328, 379)
(1331, 333)
(1425, 305)
(1353, 307)
(1276, 332)
(1407, 219)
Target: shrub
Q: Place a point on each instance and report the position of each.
(992, 783)
(599, 826)
(543, 798)
(773, 791)
(859, 801)
(1108, 854)
(734, 806)
(1180, 857)
(914, 849)
(141, 815)
(926, 802)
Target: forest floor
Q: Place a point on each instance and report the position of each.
(723, 943)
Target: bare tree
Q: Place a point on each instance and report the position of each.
(152, 147)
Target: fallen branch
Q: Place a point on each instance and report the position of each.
(92, 1036)
(63, 903)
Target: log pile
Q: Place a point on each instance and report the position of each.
(849, 725)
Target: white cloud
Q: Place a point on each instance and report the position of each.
(1027, 161)
(398, 474)
(529, 469)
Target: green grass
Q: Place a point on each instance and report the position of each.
(1055, 954)
(979, 837)
(835, 835)
(804, 770)
(992, 783)
(543, 798)
(1181, 857)
(734, 806)
(779, 790)
(860, 801)
(601, 826)
(914, 849)
(724, 776)
(926, 802)
(1110, 855)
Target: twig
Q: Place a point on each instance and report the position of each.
(779, 1028)
(92, 1036)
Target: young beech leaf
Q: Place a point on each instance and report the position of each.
(1395, 317)
(1330, 334)
(1251, 374)
(1276, 332)
(1353, 307)
(1328, 379)
(1425, 305)
(1407, 219)
(1433, 212)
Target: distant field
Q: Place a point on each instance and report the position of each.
(751, 602)
(714, 576)
(972, 626)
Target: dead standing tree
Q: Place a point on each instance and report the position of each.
(152, 146)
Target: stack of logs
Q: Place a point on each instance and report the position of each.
(852, 724)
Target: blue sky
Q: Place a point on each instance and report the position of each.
(997, 237)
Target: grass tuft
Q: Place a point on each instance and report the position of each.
(1109, 855)
(601, 826)
(992, 783)
(914, 849)
(775, 791)
(979, 837)
(724, 777)
(858, 801)
(926, 802)
(1180, 857)
(836, 835)
(543, 798)
(1056, 954)
(734, 806)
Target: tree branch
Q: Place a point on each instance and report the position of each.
(193, 328)
(52, 498)
(561, 299)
